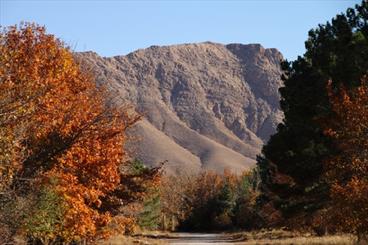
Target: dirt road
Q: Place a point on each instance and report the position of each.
(200, 239)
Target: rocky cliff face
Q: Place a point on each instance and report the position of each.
(205, 105)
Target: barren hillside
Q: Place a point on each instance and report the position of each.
(205, 105)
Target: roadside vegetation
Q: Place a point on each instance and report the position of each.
(209, 201)
(314, 169)
(65, 176)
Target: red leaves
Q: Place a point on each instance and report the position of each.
(347, 171)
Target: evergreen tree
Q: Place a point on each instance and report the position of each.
(150, 217)
(292, 162)
(223, 205)
(245, 207)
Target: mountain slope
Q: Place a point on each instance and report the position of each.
(205, 104)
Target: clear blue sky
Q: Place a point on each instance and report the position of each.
(119, 27)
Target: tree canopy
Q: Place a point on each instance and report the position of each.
(292, 162)
(62, 142)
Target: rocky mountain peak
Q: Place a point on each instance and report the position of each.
(205, 104)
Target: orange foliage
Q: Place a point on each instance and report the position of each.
(347, 171)
(65, 131)
(184, 198)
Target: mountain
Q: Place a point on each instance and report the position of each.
(206, 105)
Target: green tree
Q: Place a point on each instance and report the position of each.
(292, 161)
(150, 217)
(245, 213)
(44, 222)
(223, 206)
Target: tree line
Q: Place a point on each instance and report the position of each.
(314, 169)
(65, 176)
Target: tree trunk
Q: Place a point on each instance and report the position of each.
(173, 223)
(164, 222)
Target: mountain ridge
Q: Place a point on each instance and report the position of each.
(217, 102)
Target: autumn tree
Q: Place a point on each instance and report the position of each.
(176, 198)
(291, 165)
(347, 171)
(59, 137)
(209, 200)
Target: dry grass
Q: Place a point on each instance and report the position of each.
(127, 240)
(288, 237)
(306, 240)
(151, 238)
(258, 237)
